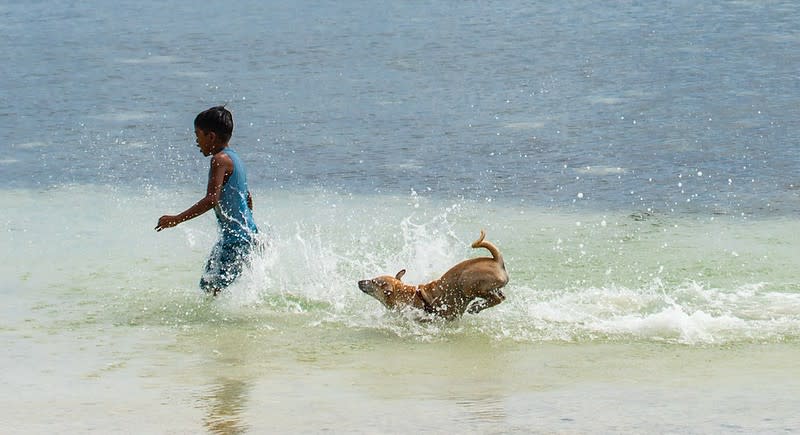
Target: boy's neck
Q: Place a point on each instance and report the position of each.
(218, 148)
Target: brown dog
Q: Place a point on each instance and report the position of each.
(449, 296)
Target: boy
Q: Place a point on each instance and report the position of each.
(228, 195)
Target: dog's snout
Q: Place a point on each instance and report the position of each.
(364, 285)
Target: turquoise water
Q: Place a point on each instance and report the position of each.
(608, 319)
(636, 164)
(576, 278)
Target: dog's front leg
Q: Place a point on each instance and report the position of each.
(427, 301)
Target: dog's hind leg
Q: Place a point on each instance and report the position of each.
(489, 300)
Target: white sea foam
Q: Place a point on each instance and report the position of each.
(123, 116)
(526, 125)
(605, 100)
(31, 145)
(600, 170)
(192, 74)
(149, 60)
(674, 324)
(134, 144)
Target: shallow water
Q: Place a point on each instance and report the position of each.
(637, 166)
(623, 326)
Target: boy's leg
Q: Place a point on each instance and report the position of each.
(209, 280)
(224, 265)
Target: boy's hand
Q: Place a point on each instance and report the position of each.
(167, 221)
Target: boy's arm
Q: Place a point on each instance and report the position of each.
(249, 200)
(221, 165)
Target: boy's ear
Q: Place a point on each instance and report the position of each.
(400, 274)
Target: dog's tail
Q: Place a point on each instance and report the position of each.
(480, 243)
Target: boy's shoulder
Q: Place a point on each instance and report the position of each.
(223, 157)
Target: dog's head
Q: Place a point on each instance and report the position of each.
(383, 288)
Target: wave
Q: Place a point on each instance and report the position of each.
(311, 273)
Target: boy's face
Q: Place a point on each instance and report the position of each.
(205, 141)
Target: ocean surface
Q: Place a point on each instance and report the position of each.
(636, 162)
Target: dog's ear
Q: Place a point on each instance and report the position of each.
(400, 274)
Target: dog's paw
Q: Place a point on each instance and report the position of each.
(475, 308)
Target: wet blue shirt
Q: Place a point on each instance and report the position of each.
(234, 217)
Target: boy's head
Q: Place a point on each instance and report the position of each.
(217, 120)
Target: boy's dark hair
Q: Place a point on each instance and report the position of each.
(217, 119)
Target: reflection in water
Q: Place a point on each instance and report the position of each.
(488, 409)
(225, 402)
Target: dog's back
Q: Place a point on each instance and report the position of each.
(481, 277)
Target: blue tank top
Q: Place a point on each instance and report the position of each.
(234, 217)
